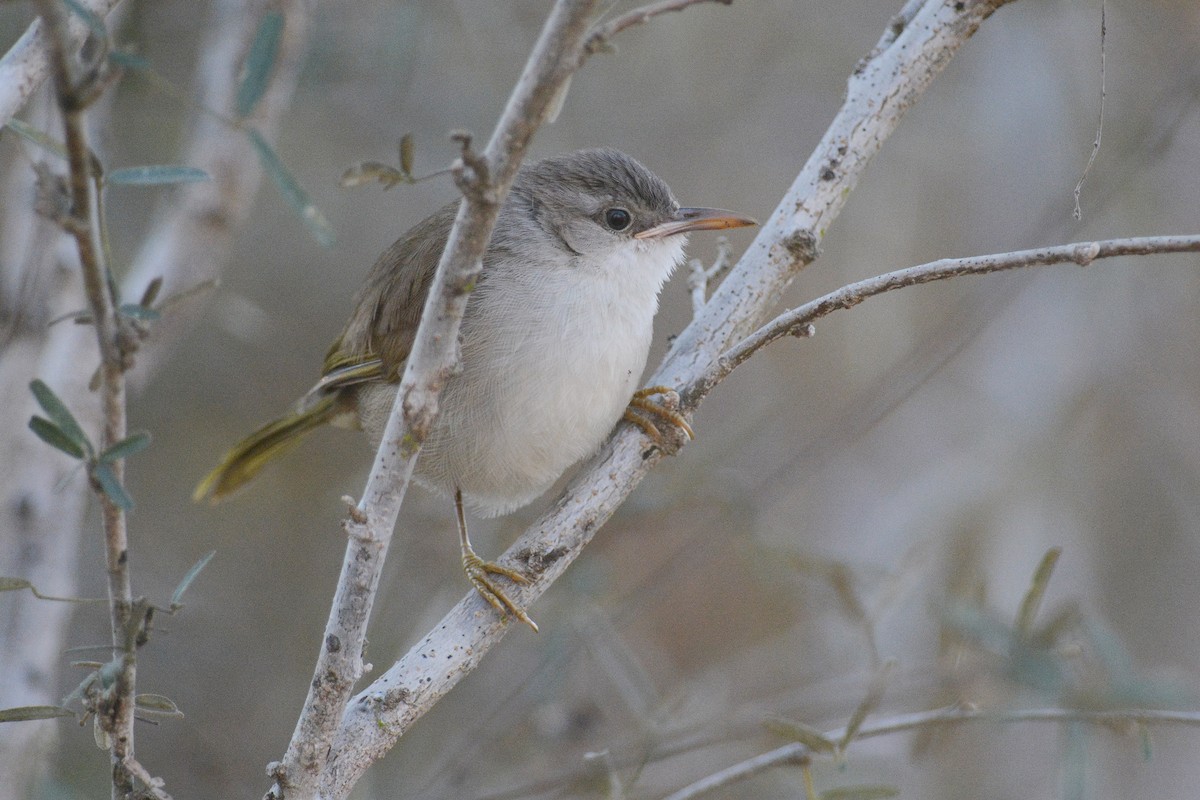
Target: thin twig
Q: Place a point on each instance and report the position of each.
(699, 276)
(117, 716)
(797, 320)
(796, 753)
(600, 37)
(1078, 212)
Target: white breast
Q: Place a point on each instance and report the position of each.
(549, 364)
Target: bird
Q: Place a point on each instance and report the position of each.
(553, 342)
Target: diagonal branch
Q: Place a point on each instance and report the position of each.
(796, 321)
(879, 94)
(484, 180)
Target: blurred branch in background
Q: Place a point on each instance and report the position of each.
(41, 524)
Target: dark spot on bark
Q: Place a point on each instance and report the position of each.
(333, 644)
(123, 558)
(827, 174)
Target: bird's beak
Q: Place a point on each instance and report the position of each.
(695, 219)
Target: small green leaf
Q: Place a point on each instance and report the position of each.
(295, 196)
(87, 15)
(157, 704)
(53, 435)
(139, 311)
(112, 488)
(12, 584)
(25, 713)
(59, 415)
(177, 597)
(124, 58)
(36, 137)
(156, 175)
(806, 735)
(860, 793)
(259, 62)
(133, 443)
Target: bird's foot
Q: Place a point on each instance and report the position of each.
(479, 572)
(660, 418)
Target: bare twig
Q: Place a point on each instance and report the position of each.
(116, 718)
(797, 320)
(26, 65)
(796, 753)
(599, 39)
(876, 101)
(699, 276)
(484, 180)
(1078, 212)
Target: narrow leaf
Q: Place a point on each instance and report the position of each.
(151, 294)
(806, 735)
(36, 137)
(59, 415)
(406, 153)
(177, 597)
(87, 15)
(259, 62)
(156, 175)
(8, 584)
(869, 702)
(373, 172)
(138, 311)
(124, 58)
(53, 435)
(295, 196)
(157, 704)
(1032, 601)
(133, 443)
(25, 713)
(112, 488)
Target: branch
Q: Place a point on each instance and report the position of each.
(797, 753)
(116, 715)
(879, 94)
(798, 321)
(484, 180)
(26, 65)
(600, 37)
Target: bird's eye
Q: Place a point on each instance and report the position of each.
(618, 219)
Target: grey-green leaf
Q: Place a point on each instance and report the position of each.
(259, 62)
(112, 488)
(177, 597)
(131, 444)
(26, 713)
(53, 435)
(806, 735)
(157, 704)
(87, 15)
(138, 311)
(59, 415)
(295, 196)
(36, 137)
(156, 175)
(124, 58)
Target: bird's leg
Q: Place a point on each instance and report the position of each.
(479, 571)
(653, 415)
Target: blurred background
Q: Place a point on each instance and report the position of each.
(883, 490)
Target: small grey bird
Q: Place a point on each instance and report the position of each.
(554, 341)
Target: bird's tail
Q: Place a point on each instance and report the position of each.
(249, 456)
